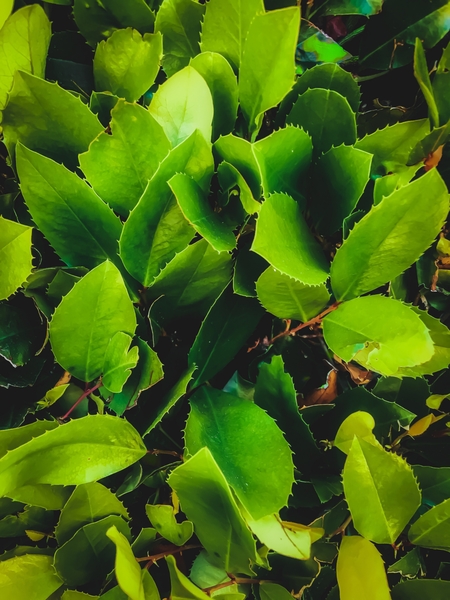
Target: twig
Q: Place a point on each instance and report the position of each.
(342, 528)
(152, 559)
(84, 395)
(310, 323)
(233, 580)
(169, 452)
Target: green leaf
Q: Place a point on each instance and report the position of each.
(268, 63)
(385, 186)
(379, 333)
(261, 474)
(179, 21)
(89, 554)
(316, 47)
(247, 269)
(136, 139)
(22, 332)
(47, 119)
(430, 144)
(15, 256)
(222, 83)
(229, 323)
(284, 158)
(420, 589)
(181, 587)
(17, 436)
(196, 209)
(381, 491)
(119, 360)
(441, 87)
(230, 178)
(101, 306)
(50, 497)
(432, 530)
(182, 105)
(80, 451)
(88, 503)
(273, 591)
(239, 153)
(192, 280)
(127, 63)
(360, 571)
(424, 81)
(440, 335)
(388, 415)
(339, 179)
(392, 145)
(289, 539)
(409, 565)
(328, 76)
(157, 412)
(148, 371)
(375, 251)
(288, 298)
(275, 393)
(156, 228)
(434, 483)
(226, 26)
(359, 423)
(73, 594)
(24, 41)
(97, 21)
(129, 576)
(29, 577)
(366, 8)
(326, 116)
(82, 229)
(388, 40)
(5, 11)
(162, 517)
(207, 501)
(284, 240)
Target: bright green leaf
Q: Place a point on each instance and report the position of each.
(181, 587)
(80, 451)
(380, 333)
(156, 228)
(182, 105)
(28, 577)
(101, 306)
(261, 473)
(137, 139)
(15, 256)
(119, 360)
(195, 207)
(381, 491)
(284, 240)
(267, 67)
(5, 11)
(375, 251)
(273, 591)
(126, 64)
(82, 229)
(179, 21)
(207, 501)
(47, 119)
(326, 116)
(222, 83)
(359, 423)
(24, 41)
(226, 26)
(163, 519)
(239, 153)
(288, 298)
(360, 571)
(423, 79)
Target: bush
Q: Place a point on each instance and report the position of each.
(223, 274)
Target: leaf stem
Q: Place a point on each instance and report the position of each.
(174, 550)
(314, 321)
(169, 452)
(233, 580)
(84, 395)
(342, 528)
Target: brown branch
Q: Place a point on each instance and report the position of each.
(80, 399)
(153, 558)
(168, 452)
(233, 580)
(315, 321)
(342, 528)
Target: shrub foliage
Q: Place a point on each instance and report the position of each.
(224, 296)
